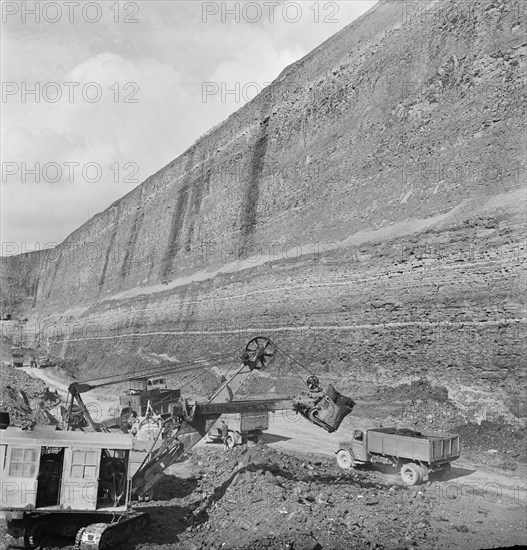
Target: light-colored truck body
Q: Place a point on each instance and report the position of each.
(254, 421)
(416, 454)
(17, 357)
(242, 426)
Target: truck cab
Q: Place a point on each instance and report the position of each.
(353, 452)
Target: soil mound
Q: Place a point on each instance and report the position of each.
(259, 497)
(26, 399)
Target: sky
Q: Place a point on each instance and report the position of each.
(97, 96)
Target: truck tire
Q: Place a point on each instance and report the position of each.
(146, 496)
(345, 459)
(230, 441)
(411, 474)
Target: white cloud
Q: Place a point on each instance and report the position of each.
(168, 56)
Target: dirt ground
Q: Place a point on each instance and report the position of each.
(288, 492)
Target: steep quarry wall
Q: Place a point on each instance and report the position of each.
(366, 210)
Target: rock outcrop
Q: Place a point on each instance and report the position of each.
(366, 211)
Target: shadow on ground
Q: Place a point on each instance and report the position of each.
(273, 438)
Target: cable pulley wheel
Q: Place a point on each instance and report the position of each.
(258, 353)
(313, 383)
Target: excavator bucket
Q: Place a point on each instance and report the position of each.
(329, 410)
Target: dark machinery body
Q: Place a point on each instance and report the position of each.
(328, 409)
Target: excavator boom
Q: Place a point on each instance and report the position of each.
(258, 354)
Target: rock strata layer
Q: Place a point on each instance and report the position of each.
(366, 211)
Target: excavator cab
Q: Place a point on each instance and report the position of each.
(62, 482)
(65, 470)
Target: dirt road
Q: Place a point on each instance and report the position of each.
(52, 382)
(100, 409)
(289, 432)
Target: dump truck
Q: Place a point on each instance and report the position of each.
(44, 361)
(17, 357)
(414, 454)
(245, 426)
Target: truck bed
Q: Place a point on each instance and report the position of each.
(429, 447)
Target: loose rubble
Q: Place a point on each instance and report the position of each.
(259, 497)
(26, 399)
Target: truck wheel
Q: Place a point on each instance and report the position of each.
(411, 474)
(345, 459)
(146, 496)
(230, 441)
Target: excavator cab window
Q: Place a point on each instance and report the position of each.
(84, 464)
(154, 383)
(23, 462)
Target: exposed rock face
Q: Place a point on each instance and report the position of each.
(366, 211)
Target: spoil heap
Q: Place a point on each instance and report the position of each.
(258, 497)
(26, 399)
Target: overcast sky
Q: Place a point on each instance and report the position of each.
(119, 94)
